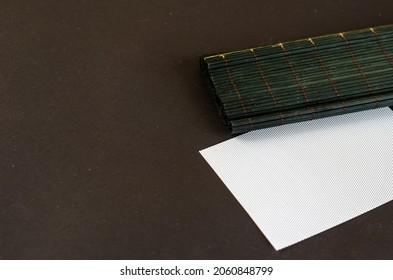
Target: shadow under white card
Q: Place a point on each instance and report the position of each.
(298, 180)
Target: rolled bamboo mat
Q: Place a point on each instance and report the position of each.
(302, 80)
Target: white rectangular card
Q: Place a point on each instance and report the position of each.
(300, 179)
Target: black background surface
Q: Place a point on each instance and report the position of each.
(103, 112)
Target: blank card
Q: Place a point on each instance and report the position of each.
(298, 180)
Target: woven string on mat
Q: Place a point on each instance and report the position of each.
(302, 80)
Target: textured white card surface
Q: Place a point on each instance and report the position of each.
(300, 179)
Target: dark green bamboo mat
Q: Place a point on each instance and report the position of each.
(302, 80)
